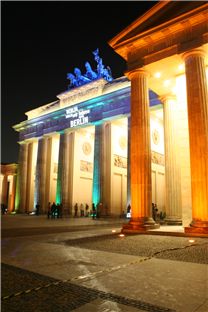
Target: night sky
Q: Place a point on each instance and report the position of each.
(44, 40)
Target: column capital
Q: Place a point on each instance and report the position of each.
(50, 135)
(194, 52)
(137, 72)
(22, 142)
(167, 97)
(68, 131)
(31, 140)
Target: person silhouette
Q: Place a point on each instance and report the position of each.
(93, 211)
(37, 209)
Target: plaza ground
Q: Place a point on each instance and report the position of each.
(84, 265)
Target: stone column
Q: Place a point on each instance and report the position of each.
(29, 175)
(172, 170)
(141, 187)
(197, 103)
(13, 192)
(4, 190)
(129, 163)
(60, 169)
(65, 176)
(41, 175)
(65, 173)
(107, 168)
(23, 157)
(31, 163)
(97, 167)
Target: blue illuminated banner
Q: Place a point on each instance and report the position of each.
(78, 116)
(102, 108)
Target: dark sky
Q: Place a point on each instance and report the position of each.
(44, 40)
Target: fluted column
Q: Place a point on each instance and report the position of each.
(107, 168)
(63, 169)
(31, 162)
(13, 193)
(4, 190)
(60, 169)
(141, 187)
(65, 172)
(23, 156)
(98, 166)
(172, 170)
(40, 196)
(129, 163)
(197, 102)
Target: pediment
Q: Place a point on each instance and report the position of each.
(160, 13)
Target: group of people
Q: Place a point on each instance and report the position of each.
(54, 210)
(80, 211)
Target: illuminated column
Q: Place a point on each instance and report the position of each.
(4, 190)
(98, 165)
(51, 167)
(60, 169)
(31, 162)
(1, 187)
(13, 192)
(141, 188)
(172, 170)
(107, 167)
(65, 169)
(129, 164)
(23, 157)
(198, 137)
(9, 193)
(40, 195)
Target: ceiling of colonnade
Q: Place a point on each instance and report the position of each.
(163, 73)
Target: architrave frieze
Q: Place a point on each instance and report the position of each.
(82, 93)
(104, 108)
(173, 37)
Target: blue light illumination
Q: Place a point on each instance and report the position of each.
(77, 79)
(96, 193)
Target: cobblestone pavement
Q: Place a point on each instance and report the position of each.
(44, 295)
(84, 267)
(163, 247)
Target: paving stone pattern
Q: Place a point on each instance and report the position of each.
(63, 297)
(163, 247)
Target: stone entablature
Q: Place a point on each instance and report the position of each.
(105, 107)
(42, 110)
(9, 169)
(175, 36)
(80, 94)
(53, 117)
(83, 93)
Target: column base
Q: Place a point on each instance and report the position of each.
(139, 225)
(197, 226)
(172, 220)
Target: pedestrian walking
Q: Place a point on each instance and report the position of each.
(93, 211)
(82, 210)
(37, 209)
(87, 210)
(76, 210)
(53, 210)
